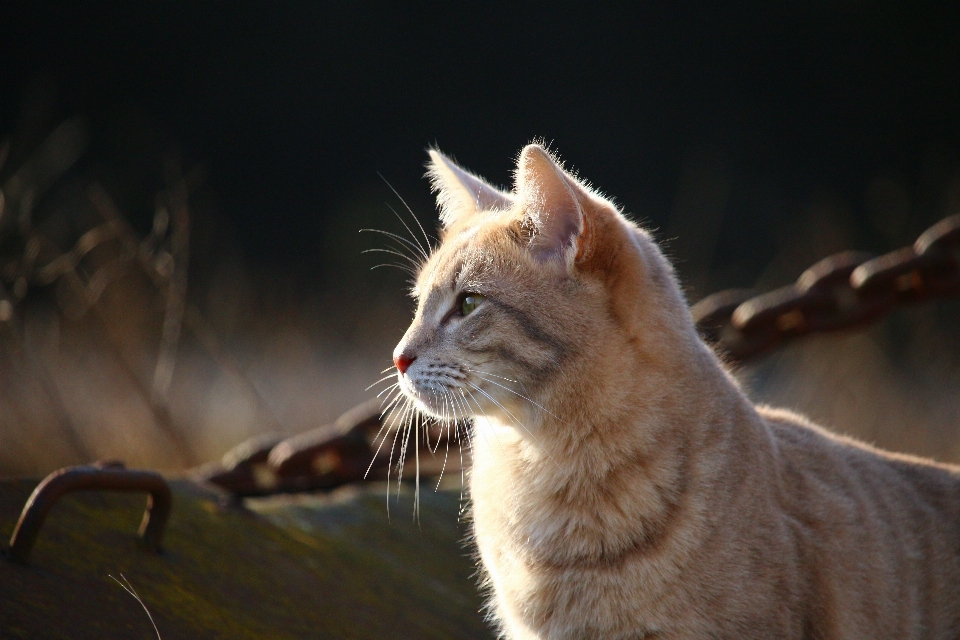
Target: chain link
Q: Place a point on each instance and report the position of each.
(843, 291)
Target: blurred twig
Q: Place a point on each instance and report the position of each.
(99, 256)
(173, 200)
(157, 268)
(11, 321)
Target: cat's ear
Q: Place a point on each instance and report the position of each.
(459, 192)
(552, 211)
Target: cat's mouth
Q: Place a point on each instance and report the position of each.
(436, 399)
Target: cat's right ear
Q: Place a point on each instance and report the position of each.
(459, 192)
(552, 209)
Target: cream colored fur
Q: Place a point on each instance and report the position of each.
(622, 484)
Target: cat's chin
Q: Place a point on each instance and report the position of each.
(429, 404)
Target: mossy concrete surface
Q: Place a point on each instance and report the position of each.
(318, 566)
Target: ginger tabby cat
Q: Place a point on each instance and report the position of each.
(622, 485)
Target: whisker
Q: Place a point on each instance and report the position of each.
(393, 448)
(517, 422)
(487, 373)
(457, 426)
(415, 257)
(426, 436)
(383, 379)
(390, 404)
(412, 214)
(416, 479)
(383, 427)
(492, 374)
(481, 431)
(534, 403)
(395, 386)
(129, 589)
(399, 238)
(393, 253)
(401, 267)
(412, 235)
(468, 413)
(402, 462)
(446, 453)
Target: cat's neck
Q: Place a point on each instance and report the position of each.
(639, 408)
(582, 466)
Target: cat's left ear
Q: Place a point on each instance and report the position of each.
(459, 192)
(552, 211)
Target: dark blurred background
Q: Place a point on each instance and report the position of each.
(755, 138)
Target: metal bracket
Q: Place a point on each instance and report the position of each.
(102, 477)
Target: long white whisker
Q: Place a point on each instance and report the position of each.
(384, 378)
(475, 428)
(390, 391)
(391, 405)
(399, 238)
(402, 462)
(394, 387)
(413, 215)
(446, 454)
(481, 431)
(383, 411)
(493, 374)
(415, 257)
(469, 441)
(534, 403)
(401, 267)
(412, 234)
(426, 436)
(468, 421)
(393, 253)
(383, 427)
(457, 425)
(129, 589)
(514, 418)
(445, 411)
(393, 447)
(487, 373)
(416, 480)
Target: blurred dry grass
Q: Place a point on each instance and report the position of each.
(163, 375)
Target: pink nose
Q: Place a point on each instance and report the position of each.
(403, 362)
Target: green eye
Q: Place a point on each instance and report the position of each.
(470, 302)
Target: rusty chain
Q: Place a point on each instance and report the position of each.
(843, 291)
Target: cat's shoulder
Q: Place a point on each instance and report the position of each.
(806, 447)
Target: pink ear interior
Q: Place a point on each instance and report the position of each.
(550, 203)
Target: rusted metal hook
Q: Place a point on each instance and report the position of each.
(101, 477)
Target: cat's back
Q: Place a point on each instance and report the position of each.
(877, 534)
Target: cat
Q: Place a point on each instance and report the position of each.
(622, 484)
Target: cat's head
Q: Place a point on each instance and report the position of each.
(535, 300)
